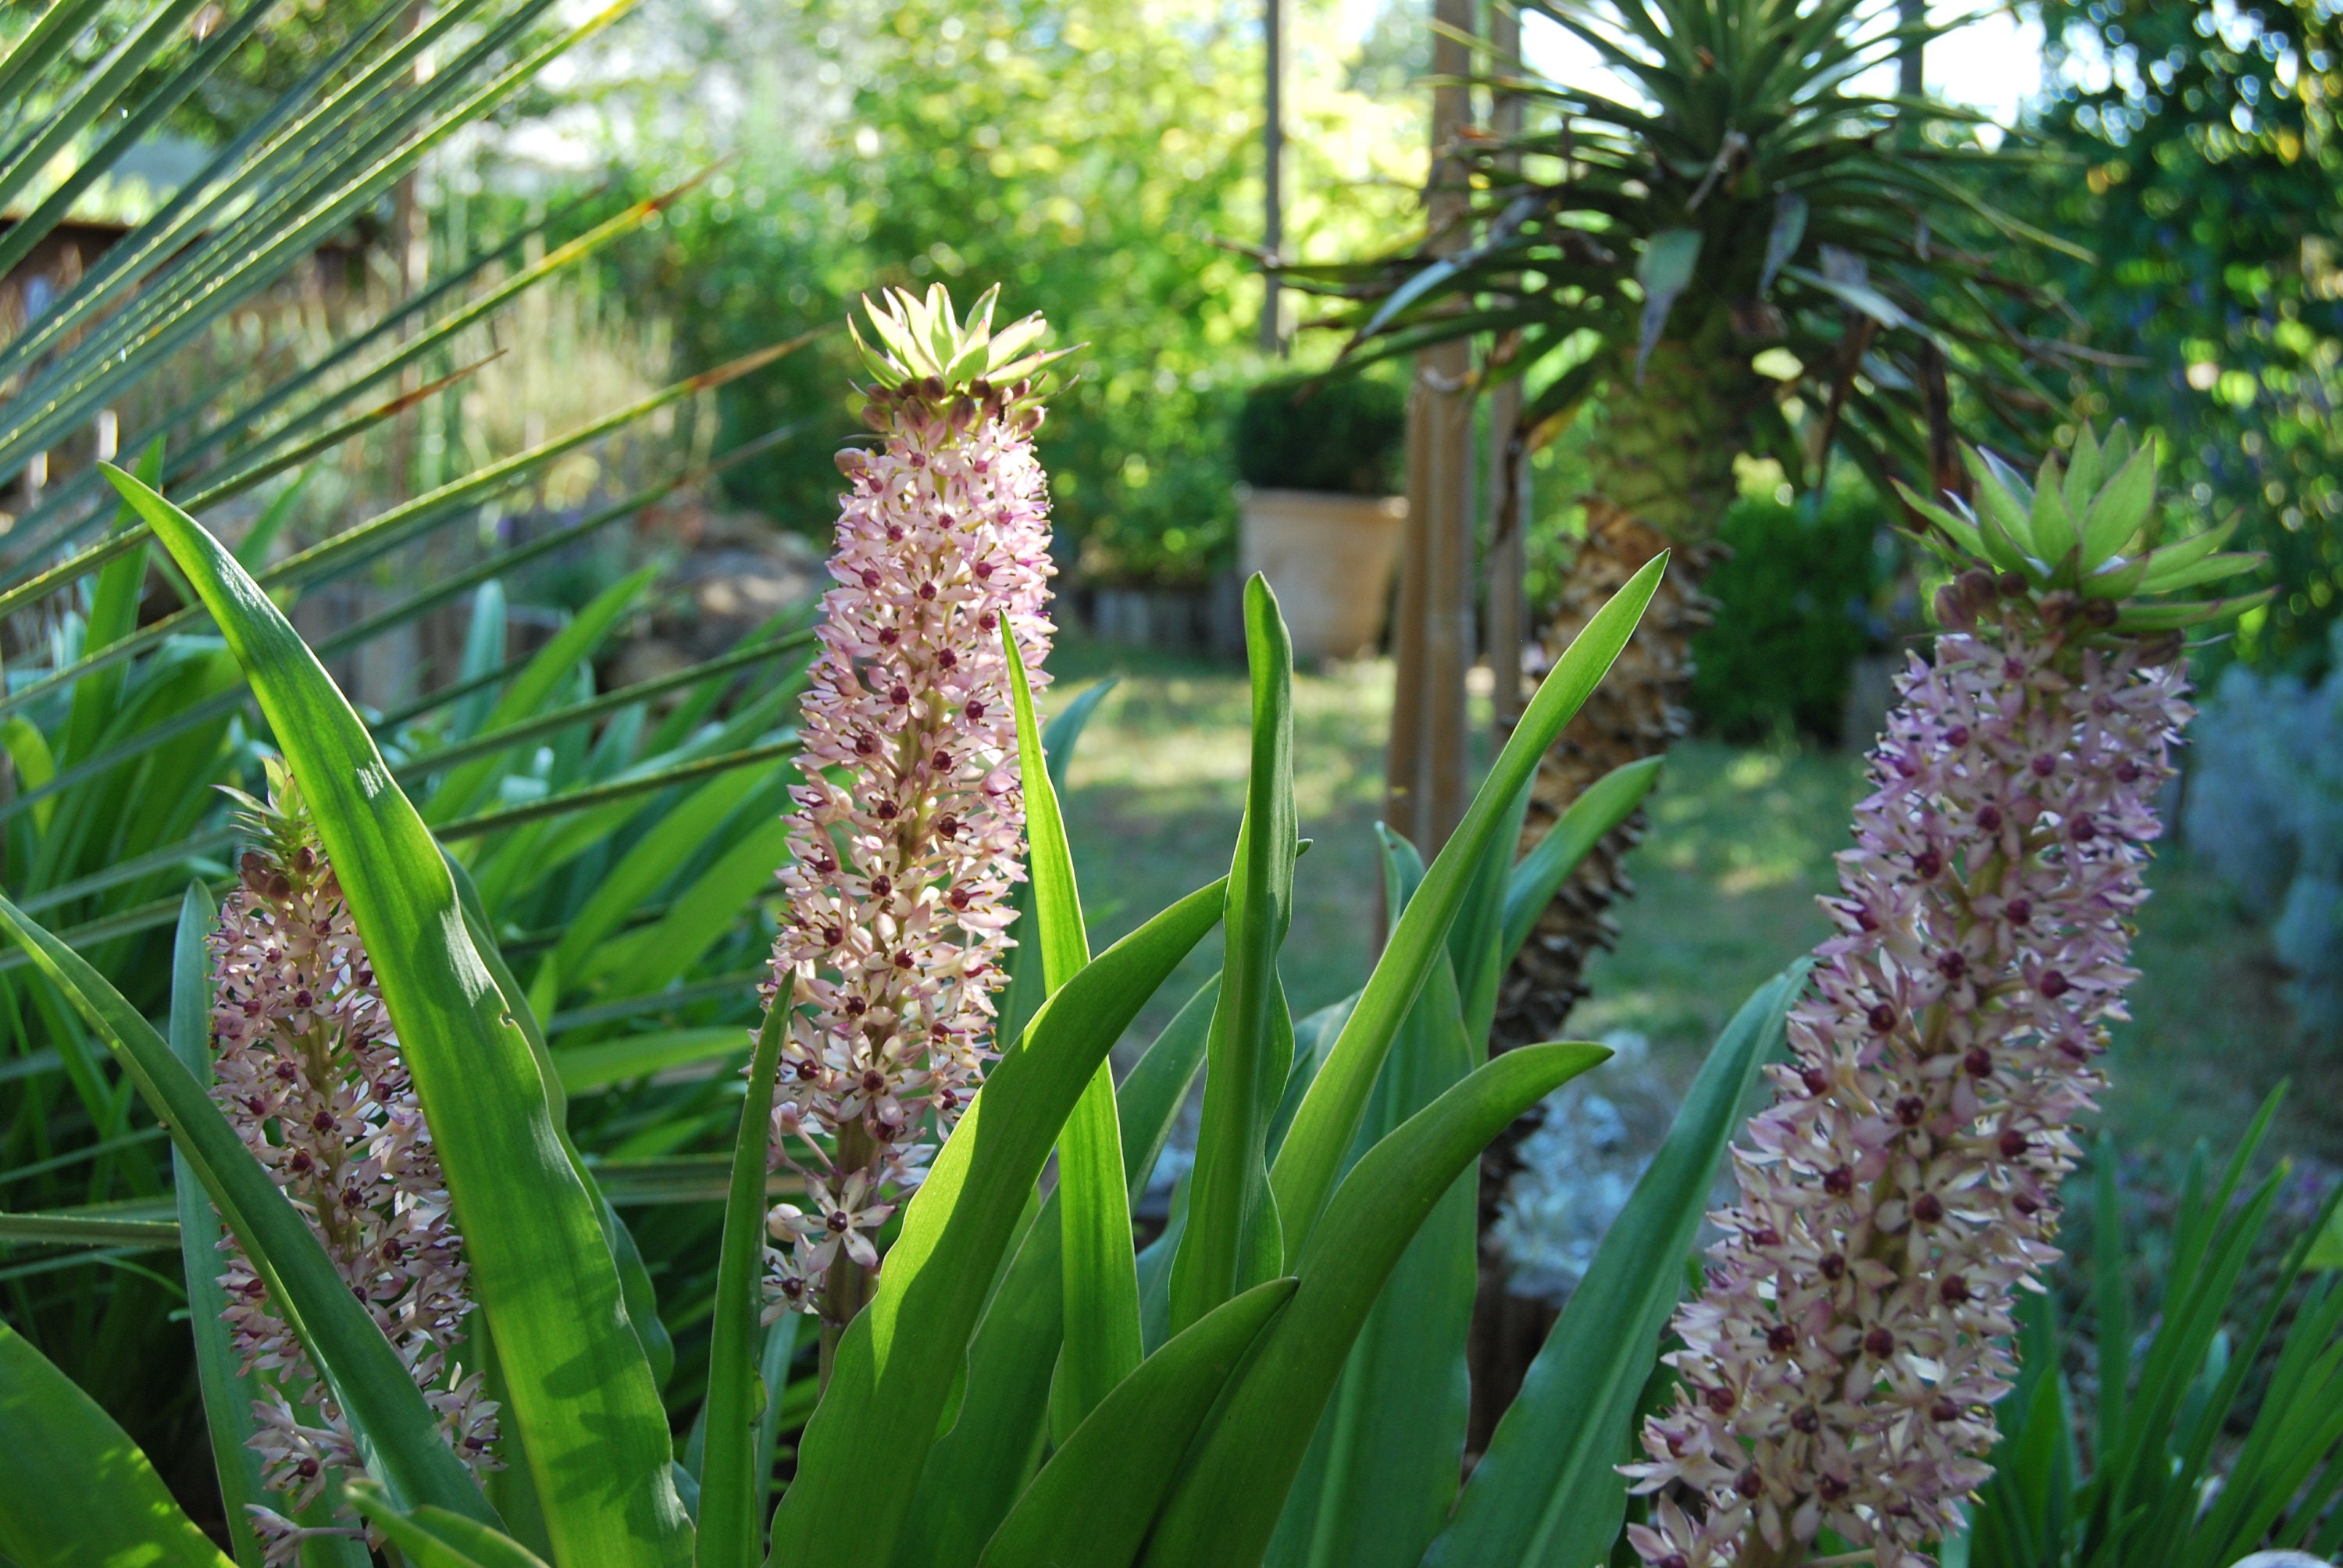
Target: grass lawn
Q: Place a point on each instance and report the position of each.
(1741, 843)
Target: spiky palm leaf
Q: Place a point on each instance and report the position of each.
(118, 720)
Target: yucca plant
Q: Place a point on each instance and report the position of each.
(614, 835)
(1739, 254)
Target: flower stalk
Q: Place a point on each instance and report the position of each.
(1839, 1369)
(309, 1074)
(907, 832)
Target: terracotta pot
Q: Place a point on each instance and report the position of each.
(1329, 557)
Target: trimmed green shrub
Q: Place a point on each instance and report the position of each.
(1347, 434)
(1797, 602)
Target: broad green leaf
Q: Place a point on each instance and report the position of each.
(546, 673)
(730, 1529)
(1329, 1118)
(634, 1280)
(1539, 875)
(1382, 1468)
(1545, 1495)
(398, 1433)
(228, 1392)
(435, 1538)
(1100, 1300)
(1092, 1504)
(895, 1366)
(1476, 940)
(1019, 999)
(1232, 1229)
(1226, 1502)
(974, 1470)
(76, 1492)
(580, 1388)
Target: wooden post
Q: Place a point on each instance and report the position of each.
(1273, 139)
(1509, 471)
(1425, 786)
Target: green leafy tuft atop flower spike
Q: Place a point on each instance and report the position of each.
(921, 341)
(2085, 538)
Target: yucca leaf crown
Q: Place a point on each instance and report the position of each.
(930, 360)
(2085, 539)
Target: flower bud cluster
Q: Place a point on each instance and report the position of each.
(1840, 1367)
(309, 1074)
(907, 832)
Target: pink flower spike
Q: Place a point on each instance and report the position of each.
(898, 888)
(1841, 1366)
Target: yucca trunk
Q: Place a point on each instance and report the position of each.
(1661, 475)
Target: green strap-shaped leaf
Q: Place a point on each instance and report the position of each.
(973, 1474)
(896, 1364)
(76, 1492)
(397, 1432)
(728, 1526)
(1092, 1504)
(1020, 998)
(580, 1388)
(539, 681)
(1101, 1299)
(1382, 1469)
(974, 1470)
(1539, 875)
(1323, 1128)
(1229, 1494)
(227, 1393)
(1545, 1495)
(634, 1280)
(1233, 1238)
(435, 1538)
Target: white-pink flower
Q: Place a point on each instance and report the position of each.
(1840, 1367)
(308, 1072)
(908, 830)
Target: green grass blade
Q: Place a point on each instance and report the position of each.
(1323, 1128)
(1092, 1504)
(397, 1433)
(1546, 1492)
(1233, 1215)
(580, 1388)
(227, 1393)
(1226, 1503)
(1476, 940)
(1607, 802)
(896, 1364)
(973, 1472)
(76, 1492)
(730, 1529)
(1101, 1299)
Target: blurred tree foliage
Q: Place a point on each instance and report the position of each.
(2198, 156)
(1088, 156)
